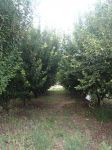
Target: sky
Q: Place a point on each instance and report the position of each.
(60, 14)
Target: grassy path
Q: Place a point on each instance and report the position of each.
(54, 122)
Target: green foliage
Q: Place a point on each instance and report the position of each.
(90, 60)
(69, 73)
(19, 87)
(14, 21)
(40, 59)
(96, 44)
(8, 43)
(28, 57)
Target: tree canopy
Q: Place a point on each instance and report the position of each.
(30, 58)
(88, 66)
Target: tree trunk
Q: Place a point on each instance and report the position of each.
(98, 102)
(24, 102)
(35, 94)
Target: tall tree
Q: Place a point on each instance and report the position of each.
(14, 21)
(40, 59)
(91, 55)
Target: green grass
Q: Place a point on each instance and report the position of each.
(42, 140)
(104, 146)
(103, 114)
(38, 134)
(48, 127)
(76, 142)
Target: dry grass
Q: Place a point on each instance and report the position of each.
(54, 122)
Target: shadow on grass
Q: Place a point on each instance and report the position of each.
(103, 114)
